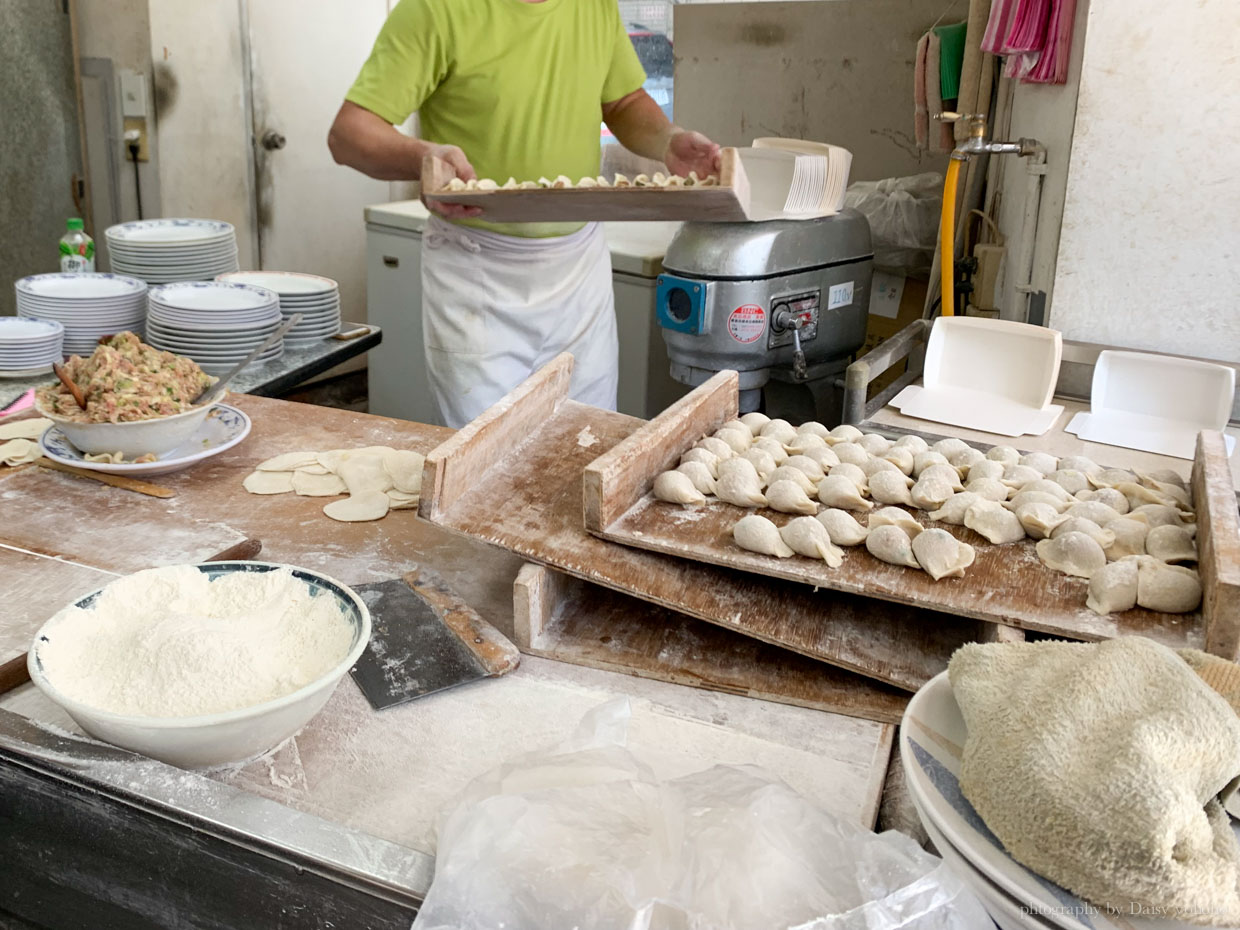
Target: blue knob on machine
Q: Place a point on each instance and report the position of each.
(680, 304)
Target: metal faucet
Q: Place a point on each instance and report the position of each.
(976, 144)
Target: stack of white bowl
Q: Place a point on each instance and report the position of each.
(316, 298)
(216, 323)
(89, 305)
(167, 250)
(29, 347)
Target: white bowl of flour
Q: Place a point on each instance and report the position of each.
(199, 665)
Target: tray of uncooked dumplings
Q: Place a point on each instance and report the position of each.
(1066, 546)
(659, 196)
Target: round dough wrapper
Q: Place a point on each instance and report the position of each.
(1113, 588)
(404, 467)
(740, 489)
(1005, 454)
(941, 554)
(894, 516)
(677, 488)
(288, 461)
(889, 543)
(914, 444)
(954, 508)
(25, 429)
(807, 537)
(949, 447)
(401, 500)
(755, 421)
(901, 458)
(772, 446)
(706, 457)
(992, 520)
(1167, 588)
(845, 432)
(890, 487)
(1042, 461)
(1039, 520)
(363, 472)
(841, 491)
(1073, 554)
(874, 443)
(851, 453)
(740, 468)
(19, 451)
(811, 468)
(924, 459)
(853, 474)
(933, 493)
(795, 475)
(328, 485)
(989, 489)
(780, 430)
(739, 440)
(268, 482)
(814, 428)
(789, 497)
(1171, 544)
(1129, 538)
(359, 508)
(1102, 537)
(716, 445)
(825, 457)
(804, 442)
(758, 534)
(842, 527)
(700, 475)
(763, 462)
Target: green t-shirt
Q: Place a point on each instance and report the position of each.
(518, 86)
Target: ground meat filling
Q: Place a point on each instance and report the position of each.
(126, 380)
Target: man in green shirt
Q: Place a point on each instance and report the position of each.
(509, 88)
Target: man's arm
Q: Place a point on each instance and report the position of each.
(365, 141)
(640, 126)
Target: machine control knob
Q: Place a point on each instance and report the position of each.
(679, 304)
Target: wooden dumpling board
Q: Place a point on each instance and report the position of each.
(722, 202)
(513, 478)
(560, 617)
(1006, 584)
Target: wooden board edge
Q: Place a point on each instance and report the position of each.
(881, 762)
(494, 650)
(456, 465)
(1218, 541)
(732, 175)
(537, 593)
(616, 480)
(436, 173)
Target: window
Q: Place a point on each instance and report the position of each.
(649, 24)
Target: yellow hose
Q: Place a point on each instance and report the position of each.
(947, 238)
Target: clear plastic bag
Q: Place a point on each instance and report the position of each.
(584, 836)
(904, 220)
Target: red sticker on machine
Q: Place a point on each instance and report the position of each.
(747, 324)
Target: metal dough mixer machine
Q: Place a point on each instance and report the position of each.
(784, 303)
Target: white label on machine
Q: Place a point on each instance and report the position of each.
(840, 295)
(746, 324)
(885, 293)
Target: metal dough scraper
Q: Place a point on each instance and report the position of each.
(424, 639)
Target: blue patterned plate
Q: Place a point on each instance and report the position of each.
(223, 428)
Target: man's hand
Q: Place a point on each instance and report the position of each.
(691, 151)
(464, 170)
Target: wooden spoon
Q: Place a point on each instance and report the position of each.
(68, 382)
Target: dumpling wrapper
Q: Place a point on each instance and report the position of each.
(740, 468)
(1005, 454)
(902, 458)
(738, 440)
(943, 471)
(1071, 480)
(773, 447)
(789, 497)
(949, 446)
(894, 516)
(842, 527)
(19, 451)
(795, 475)
(359, 508)
(993, 521)
(676, 487)
(853, 474)
(25, 429)
(851, 453)
(807, 537)
(933, 493)
(509, 185)
(758, 534)
(924, 459)
(306, 485)
(1042, 461)
(1080, 463)
(1092, 510)
(1017, 476)
(804, 442)
(964, 460)
(814, 428)
(986, 468)
(1073, 554)
(1109, 496)
(825, 457)
(1171, 544)
(401, 500)
(364, 474)
(1113, 588)
(811, 468)
(716, 445)
(288, 461)
(781, 431)
(954, 508)
(700, 475)
(1169, 589)
(841, 491)
(738, 488)
(845, 432)
(456, 184)
(874, 464)
(404, 467)
(755, 421)
(874, 443)
(941, 554)
(1102, 537)
(705, 457)
(890, 487)
(914, 444)
(989, 489)
(268, 482)
(763, 462)
(1157, 515)
(1130, 538)
(889, 543)
(1036, 497)
(1039, 520)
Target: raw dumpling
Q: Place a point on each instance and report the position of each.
(755, 421)
(949, 447)
(890, 487)
(1080, 463)
(924, 459)
(807, 465)
(1039, 520)
(1102, 537)
(700, 475)
(825, 458)
(965, 459)
(717, 446)
(807, 537)
(1071, 480)
(853, 474)
(758, 534)
(738, 440)
(619, 180)
(894, 516)
(789, 497)
(992, 520)
(913, 443)
(842, 527)
(642, 180)
(762, 461)
(1037, 497)
(941, 554)
(874, 444)
(1113, 588)
(1171, 544)
(1167, 588)
(1166, 475)
(873, 465)
(932, 492)
(1017, 476)
(986, 468)
(1092, 510)
(945, 472)
(1046, 486)
(488, 184)
(780, 430)
(1042, 461)
(1157, 515)
(840, 491)
(456, 184)
(1138, 494)
(528, 186)
(741, 468)
(741, 489)
(851, 453)
(1072, 554)
(814, 428)
(1005, 454)
(989, 489)
(795, 475)
(705, 457)
(901, 458)
(1110, 477)
(773, 447)
(889, 543)
(1109, 496)
(1129, 538)
(588, 182)
(804, 442)
(737, 424)
(1174, 487)
(954, 508)
(845, 432)
(677, 488)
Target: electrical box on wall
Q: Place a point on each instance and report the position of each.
(134, 112)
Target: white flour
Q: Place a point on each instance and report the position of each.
(168, 642)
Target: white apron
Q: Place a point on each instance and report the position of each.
(497, 308)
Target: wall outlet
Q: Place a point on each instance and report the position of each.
(985, 280)
(138, 125)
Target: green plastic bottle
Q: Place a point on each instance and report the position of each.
(77, 250)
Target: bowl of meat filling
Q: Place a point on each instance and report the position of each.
(138, 399)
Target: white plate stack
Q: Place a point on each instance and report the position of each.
(89, 305)
(216, 323)
(316, 298)
(29, 347)
(168, 250)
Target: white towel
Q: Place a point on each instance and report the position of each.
(1100, 766)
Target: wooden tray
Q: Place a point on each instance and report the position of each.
(724, 202)
(1006, 584)
(513, 477)
(564, 618)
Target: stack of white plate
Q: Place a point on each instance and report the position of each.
(316, 298)
(167, 250)
(89, 305)
(932, 736)
(216, 323)
(29, 347)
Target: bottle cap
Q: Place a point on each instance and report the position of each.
(75, 223)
